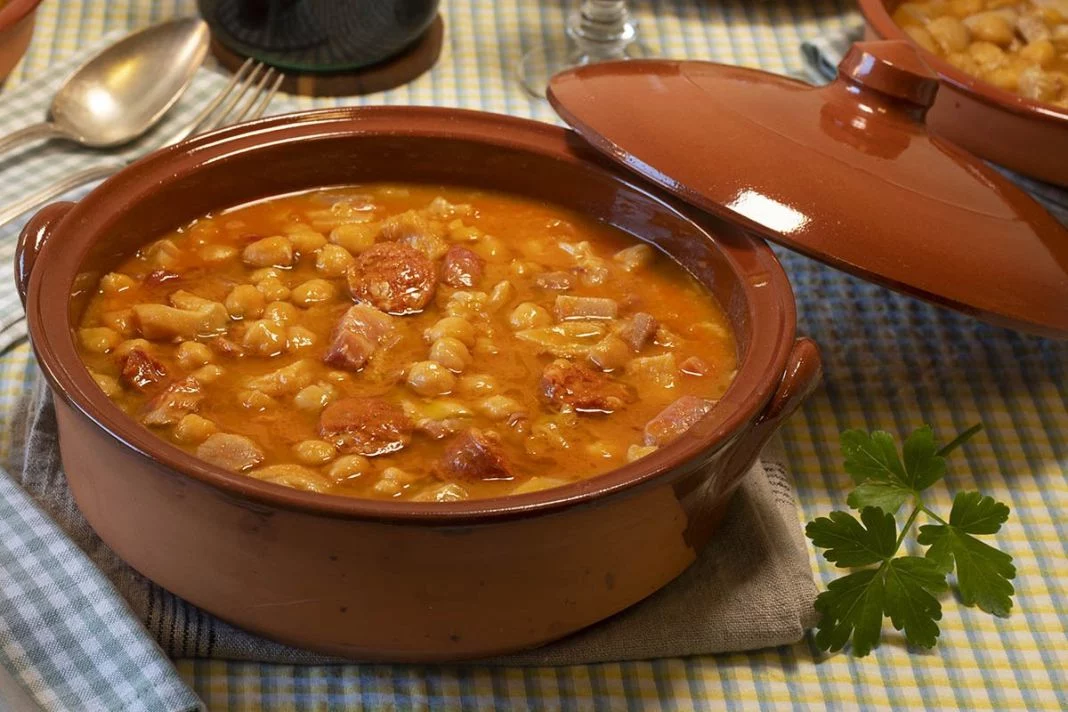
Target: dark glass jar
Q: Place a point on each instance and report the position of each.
(318, 35)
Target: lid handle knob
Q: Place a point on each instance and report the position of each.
(891, 67)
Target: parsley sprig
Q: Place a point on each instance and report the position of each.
(905, 588)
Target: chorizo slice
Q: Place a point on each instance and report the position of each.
(140, 370)
(461, 267)
(359, 332)
(393, 277)
(568, 385)
(176, 401)
(473, 455)
(676, 419)
(365, 426)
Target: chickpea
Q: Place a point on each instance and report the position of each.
(280, 313)
(255, 400)
(637, 256)
(1007, 78)
(162, 254)
(478, 384)
(274, 251)
(500, 407)
(454, 326)
(116, 283)
(333, 261)
(950, 34)
(273, 289)
(300, 337)
(528, 316)
(306, 240)
(314, 397)
(428, 378)
(130, 344)
(394, 481)
(500, 295)
(121, 321)
(922, 37)
(965, 8)
(314, 291)
(193, 429)
(265, 338)
(314, 452)
(207, 374)
(486, 347)
(610, 353)
(217, 253)
(963, 62)
(637, 452)
(99, 339)
(991, 27)
(458, 232)
(192, 355)
(1041, 52)
(525, 268)
(348, 467)
(450, 353)
(263, 273)
(354, 237)
(109, 385)
(1039, 85)
(986, 54)
(245, 302)
(599, 448)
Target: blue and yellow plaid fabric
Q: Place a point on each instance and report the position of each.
(891, 362)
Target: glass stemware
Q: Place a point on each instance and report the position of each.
(600, 30)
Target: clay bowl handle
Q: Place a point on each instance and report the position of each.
(804, 367)
(32, 239)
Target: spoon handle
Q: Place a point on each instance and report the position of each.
(33, 132)
(13, 210)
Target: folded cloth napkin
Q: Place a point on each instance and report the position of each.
(751, 588)
(822, 55)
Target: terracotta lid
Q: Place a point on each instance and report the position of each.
(845, 173)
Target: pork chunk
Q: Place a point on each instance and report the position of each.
(174, 403)
(235, 453)
(140, 370)
(473, 455)
(365, 426)
(360, 331)
(676, 419)
(639, 331)
(568, 385)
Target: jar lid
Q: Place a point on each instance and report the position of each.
(846, 174)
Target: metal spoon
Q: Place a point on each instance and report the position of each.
(124, 90)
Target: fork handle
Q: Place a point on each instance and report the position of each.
(34, 200)
(33, 132)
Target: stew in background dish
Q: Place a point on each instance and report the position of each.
(1017, 45)
(407, 341)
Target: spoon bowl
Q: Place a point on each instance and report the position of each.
(123, 91)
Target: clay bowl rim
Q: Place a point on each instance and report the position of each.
(15, 10)
(771, 311)
(877, 16)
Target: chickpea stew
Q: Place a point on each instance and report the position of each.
(407, 341)
(1017, 45)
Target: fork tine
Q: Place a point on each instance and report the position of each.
(266, 100)
(251, 101)
(198, 121)
(221, 117)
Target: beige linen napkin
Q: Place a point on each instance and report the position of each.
(751, 588)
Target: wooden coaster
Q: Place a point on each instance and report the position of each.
(394, 72)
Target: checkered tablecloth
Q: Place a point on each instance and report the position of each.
(891, 362)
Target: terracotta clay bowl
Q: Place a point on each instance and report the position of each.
(403, 581)
(1020, 134)
(16, 29)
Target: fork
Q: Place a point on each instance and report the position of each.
(233, 104)
(229, 106)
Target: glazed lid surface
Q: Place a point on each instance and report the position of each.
(845, 173)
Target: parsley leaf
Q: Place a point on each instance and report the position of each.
(910, 583)
(850, 543)
(883, 479)
(983, 572)
(905, 588)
